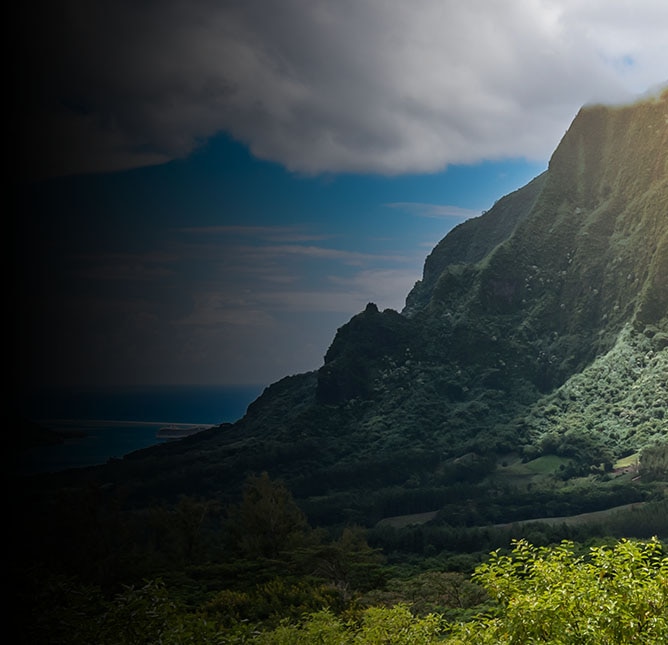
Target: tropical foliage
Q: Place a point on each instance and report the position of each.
(521, 395)
(612, 595)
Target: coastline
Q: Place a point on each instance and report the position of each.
(180, 430)
(100, 424)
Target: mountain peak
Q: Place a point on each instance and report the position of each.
(538, 328)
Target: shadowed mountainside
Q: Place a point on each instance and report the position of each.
(540, 327)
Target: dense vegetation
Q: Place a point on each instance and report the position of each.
(609, 596)
(518, 406)
(256, 571)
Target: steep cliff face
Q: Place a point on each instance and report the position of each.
(589, 257)
(472, 240)
(513, 304)
(587, 234)
(540, 327)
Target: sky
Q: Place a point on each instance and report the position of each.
(205, 191)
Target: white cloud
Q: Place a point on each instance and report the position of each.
(381, 86)
(434, 210)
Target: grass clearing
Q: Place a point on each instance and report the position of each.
(401, 521)
(546, 465)
(515, 472)
(572, 520)
(625, 462)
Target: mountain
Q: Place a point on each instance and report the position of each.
(538, 329)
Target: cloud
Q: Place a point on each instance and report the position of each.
(299, 278)
(258, 246)
(434, 210)
(212, 279)
(275, 233)
(381, 86)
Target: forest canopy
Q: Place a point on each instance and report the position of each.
(608, 595)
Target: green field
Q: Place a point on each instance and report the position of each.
(625, 462)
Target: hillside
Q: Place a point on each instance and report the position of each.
(538, 328)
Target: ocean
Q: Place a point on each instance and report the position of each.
(106, 423)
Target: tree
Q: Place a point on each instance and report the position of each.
(349, 563)
(267, 522)
(144, 615)
(615, 596)
(446, 592)
(654, 463)
(377, 626)
(190, 514)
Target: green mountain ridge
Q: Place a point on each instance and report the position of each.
(538, 328)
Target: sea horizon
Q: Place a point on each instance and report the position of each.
(197, 404)
(109, 422)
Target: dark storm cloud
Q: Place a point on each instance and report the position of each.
(320, 85)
